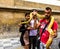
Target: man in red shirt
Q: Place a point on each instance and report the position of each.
(44, 33)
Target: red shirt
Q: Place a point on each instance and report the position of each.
(45, 35)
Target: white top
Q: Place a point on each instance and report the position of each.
(33, 32)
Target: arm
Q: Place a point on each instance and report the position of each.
(31, 16)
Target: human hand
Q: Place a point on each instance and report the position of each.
(19, 25)
(28, 28)
(34, 12)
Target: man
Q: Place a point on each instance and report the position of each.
(44, 33)
(24, 38)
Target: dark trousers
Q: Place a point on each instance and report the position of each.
(21, 39)
(59, 44)
(38, 44)
(32, 42)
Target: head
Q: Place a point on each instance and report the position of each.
(48, 12)
(34, 11)
(27, 16)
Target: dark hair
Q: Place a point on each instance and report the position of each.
(26, 14)
(48, 8)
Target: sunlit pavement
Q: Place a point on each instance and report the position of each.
(14, 43)
(10, 43)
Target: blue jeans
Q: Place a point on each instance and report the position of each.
(42, 45)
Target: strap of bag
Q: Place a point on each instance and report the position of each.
(44, 28)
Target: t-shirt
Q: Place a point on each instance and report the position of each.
(45, 35)
(33, 32)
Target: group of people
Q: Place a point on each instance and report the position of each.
(35, 34)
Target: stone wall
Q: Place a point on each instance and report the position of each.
(9, 20)
(35, 5)
(11, 13)
(6, 3)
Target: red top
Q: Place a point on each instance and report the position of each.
(45, 35)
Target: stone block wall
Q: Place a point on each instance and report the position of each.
(10, 18)
(6, 3)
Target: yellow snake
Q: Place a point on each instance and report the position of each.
(49, 28)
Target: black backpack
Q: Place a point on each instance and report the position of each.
(22, 28)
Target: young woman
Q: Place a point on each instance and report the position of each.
(24, 38)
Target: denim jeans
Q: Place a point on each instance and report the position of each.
(42, 45)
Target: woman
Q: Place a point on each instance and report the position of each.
(24, 39)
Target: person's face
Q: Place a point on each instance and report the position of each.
(27, 17)
(47, 14)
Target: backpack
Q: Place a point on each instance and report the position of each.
(22, 28)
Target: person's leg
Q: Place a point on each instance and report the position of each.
(59, 45)
(26, 47)
(44, 46)
(26, 40)
(41, 45)
(38, 44)
(21, 39)
(34, 42)
(30, 42)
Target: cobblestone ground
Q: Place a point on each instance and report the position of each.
(55, 44)
(14, 43)
(10, 43)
